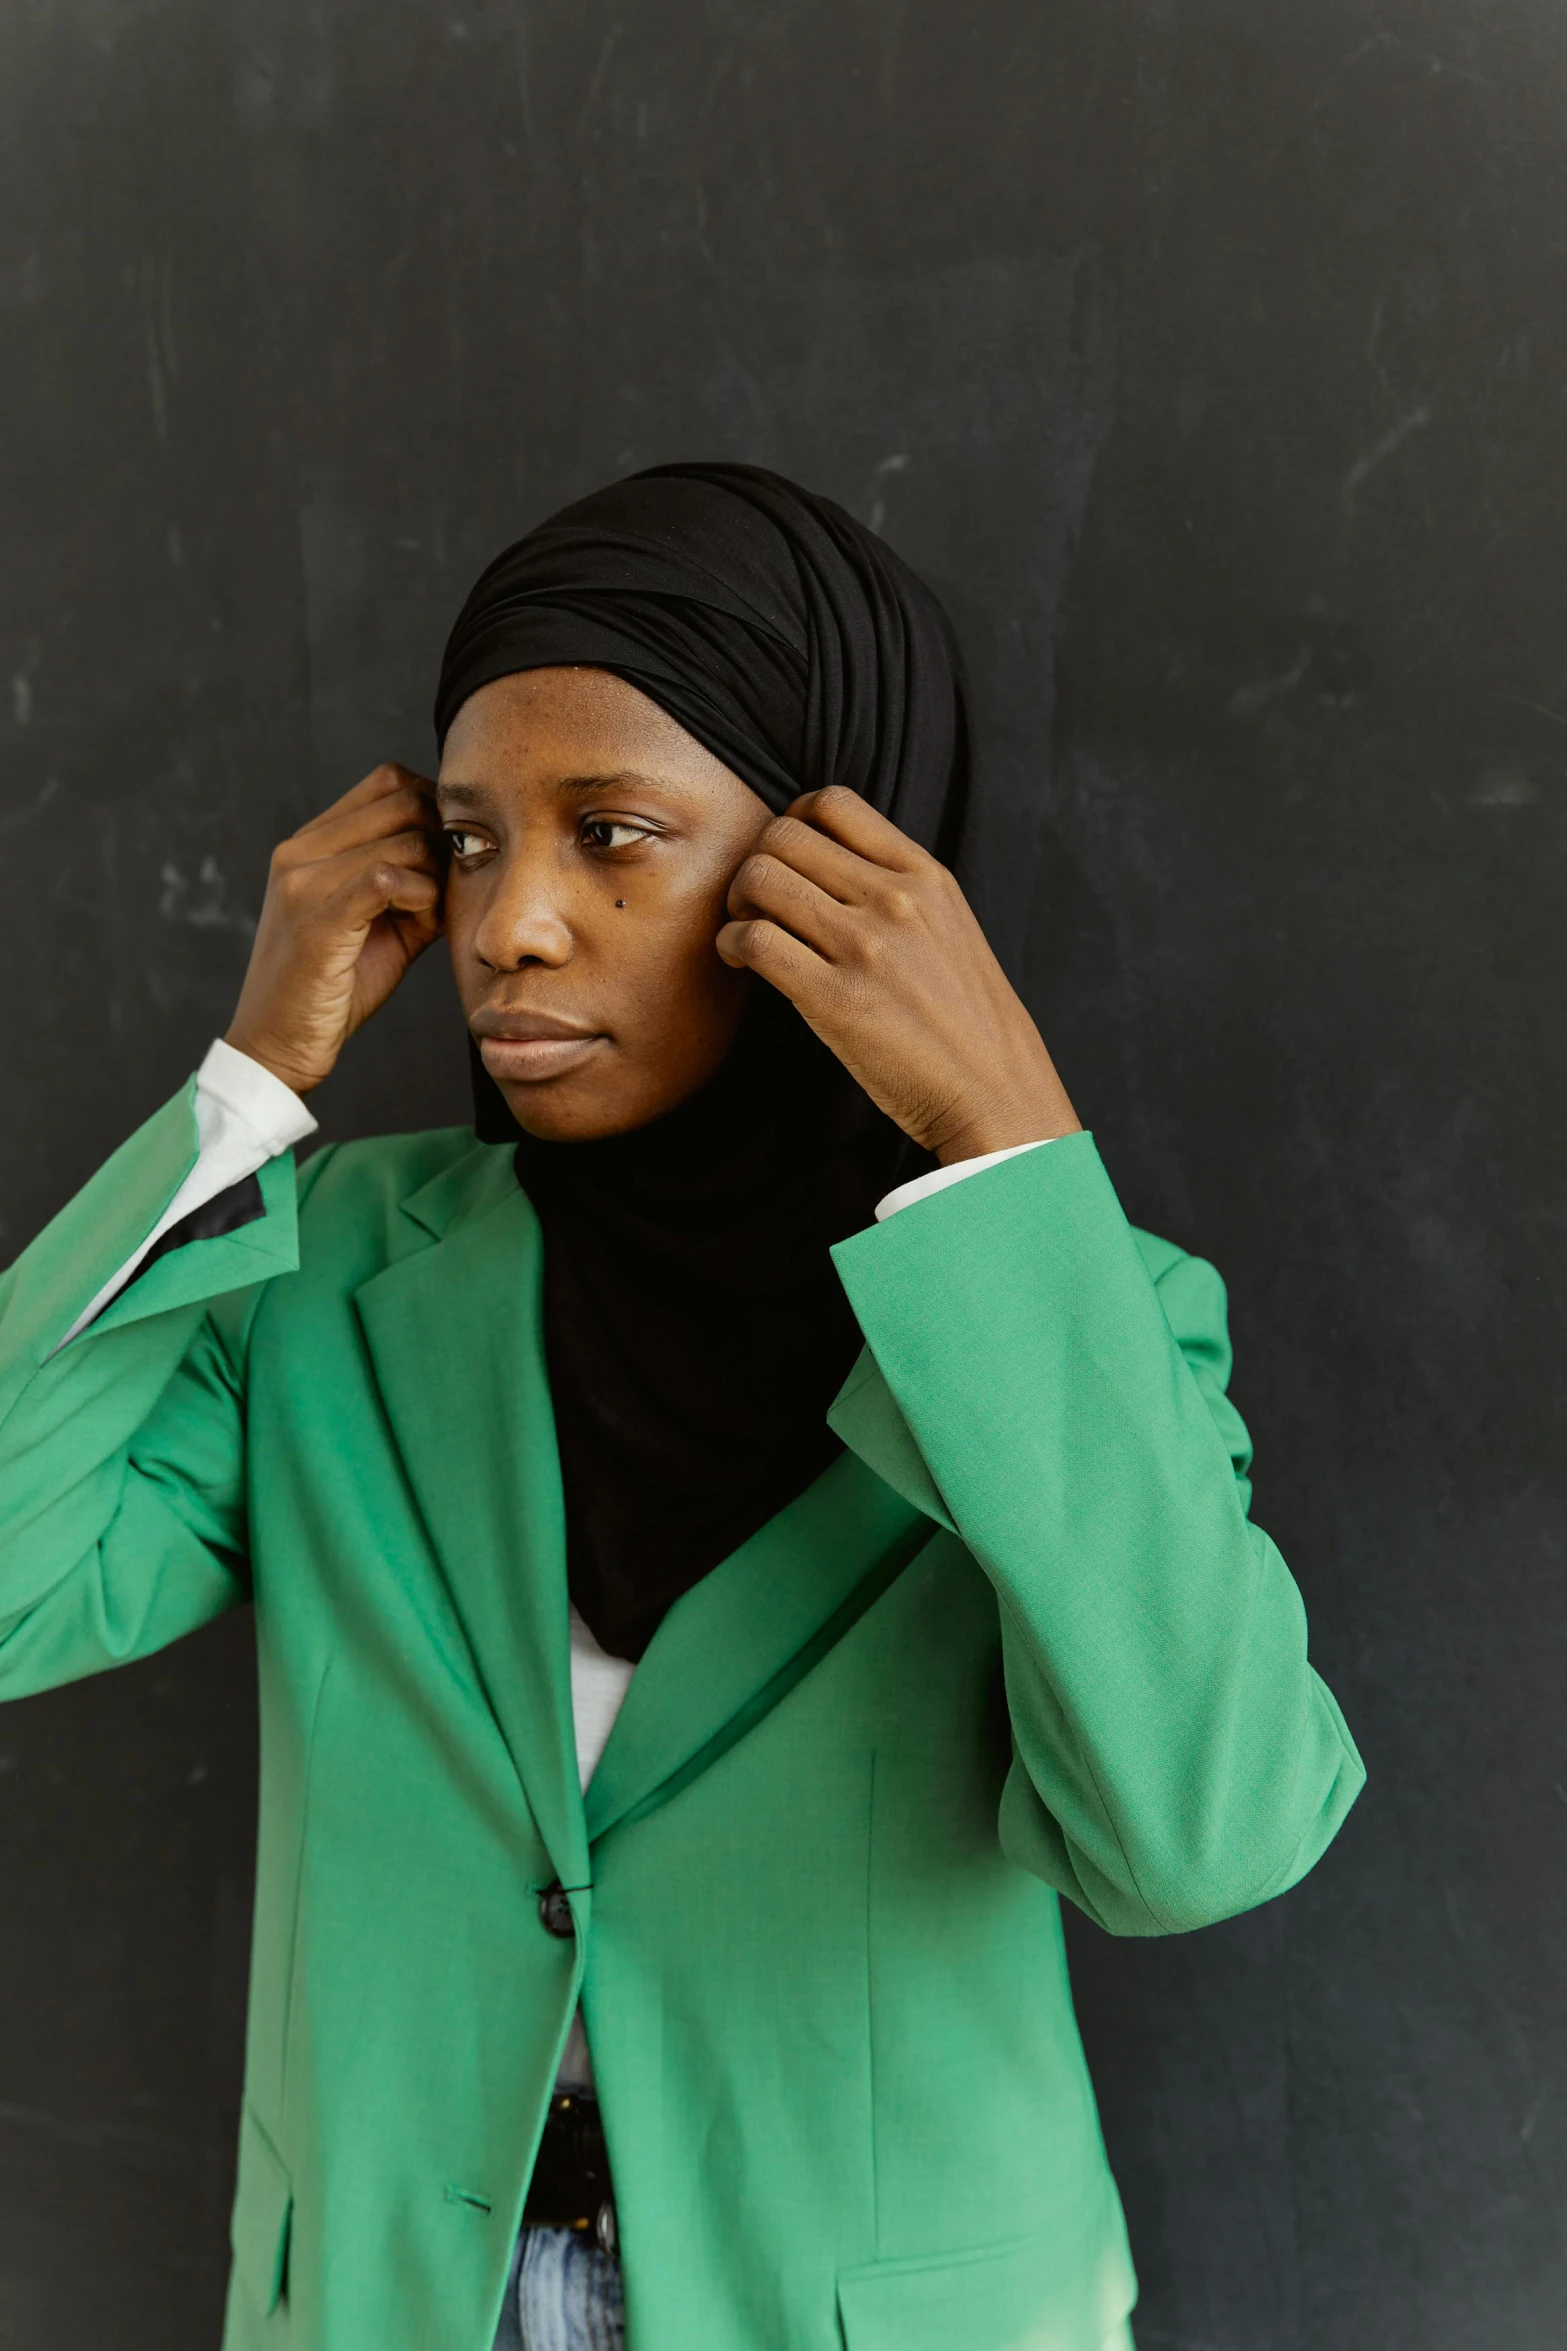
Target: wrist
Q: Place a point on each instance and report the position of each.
(1003, 1126)
(1007, 1136)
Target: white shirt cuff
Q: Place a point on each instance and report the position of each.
(921, 1187)
(244, 1117)
(272, 1111)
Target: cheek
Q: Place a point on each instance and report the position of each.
(700, 915)
(670, 917)
(666, 966)
(679, 1001)
(462, 918)
(698, 907)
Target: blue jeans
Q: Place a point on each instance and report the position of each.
(562, 2294)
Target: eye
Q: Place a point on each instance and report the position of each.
(611, 832)
(463, 843)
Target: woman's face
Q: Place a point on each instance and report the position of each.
(592, 844)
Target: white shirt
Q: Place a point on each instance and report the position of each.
(246, 1116)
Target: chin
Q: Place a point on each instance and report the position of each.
(568, 1112)
(554, 1115)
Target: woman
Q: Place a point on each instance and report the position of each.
(729, 1551)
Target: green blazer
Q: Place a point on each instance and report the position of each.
(1019, 1641)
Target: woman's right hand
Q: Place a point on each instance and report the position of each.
(352, 898)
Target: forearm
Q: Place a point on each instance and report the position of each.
(1179, 1753)
(97, 1560)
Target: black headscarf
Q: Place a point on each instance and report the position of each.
(695, 1331)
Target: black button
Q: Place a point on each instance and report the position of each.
(555, 1911)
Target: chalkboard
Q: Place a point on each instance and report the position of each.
(1212, 361)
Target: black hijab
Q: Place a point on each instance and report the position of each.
(695, 1331)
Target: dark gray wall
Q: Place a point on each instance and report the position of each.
(1212, 358)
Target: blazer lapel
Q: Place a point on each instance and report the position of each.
(740, 1640)
(455, 1337)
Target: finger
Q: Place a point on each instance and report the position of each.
(412, 847)
(766, 887)
(326, 883)
(419, 926)
(843, 816)
(402, 872)
(382, 783)
(774, 955)
(348, 829)
(842, 873)
(391, 889)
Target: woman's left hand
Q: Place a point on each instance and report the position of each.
(877, 947)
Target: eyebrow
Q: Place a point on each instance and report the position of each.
(475, 795)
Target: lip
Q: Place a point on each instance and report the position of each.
(520, 1048)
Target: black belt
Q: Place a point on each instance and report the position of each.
(571, 2186)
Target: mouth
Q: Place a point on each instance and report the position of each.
(520, 1048)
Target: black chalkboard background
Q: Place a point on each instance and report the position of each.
(1212, 360)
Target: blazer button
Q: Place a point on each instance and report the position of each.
(555, 1911)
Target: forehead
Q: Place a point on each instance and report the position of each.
(543, 726)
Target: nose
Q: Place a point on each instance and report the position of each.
(525, 919)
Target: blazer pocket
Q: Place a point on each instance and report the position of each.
(263, 2215)
(1003, 2297)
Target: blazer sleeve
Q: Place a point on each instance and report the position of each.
(1176, 1758)
(122, 1519)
